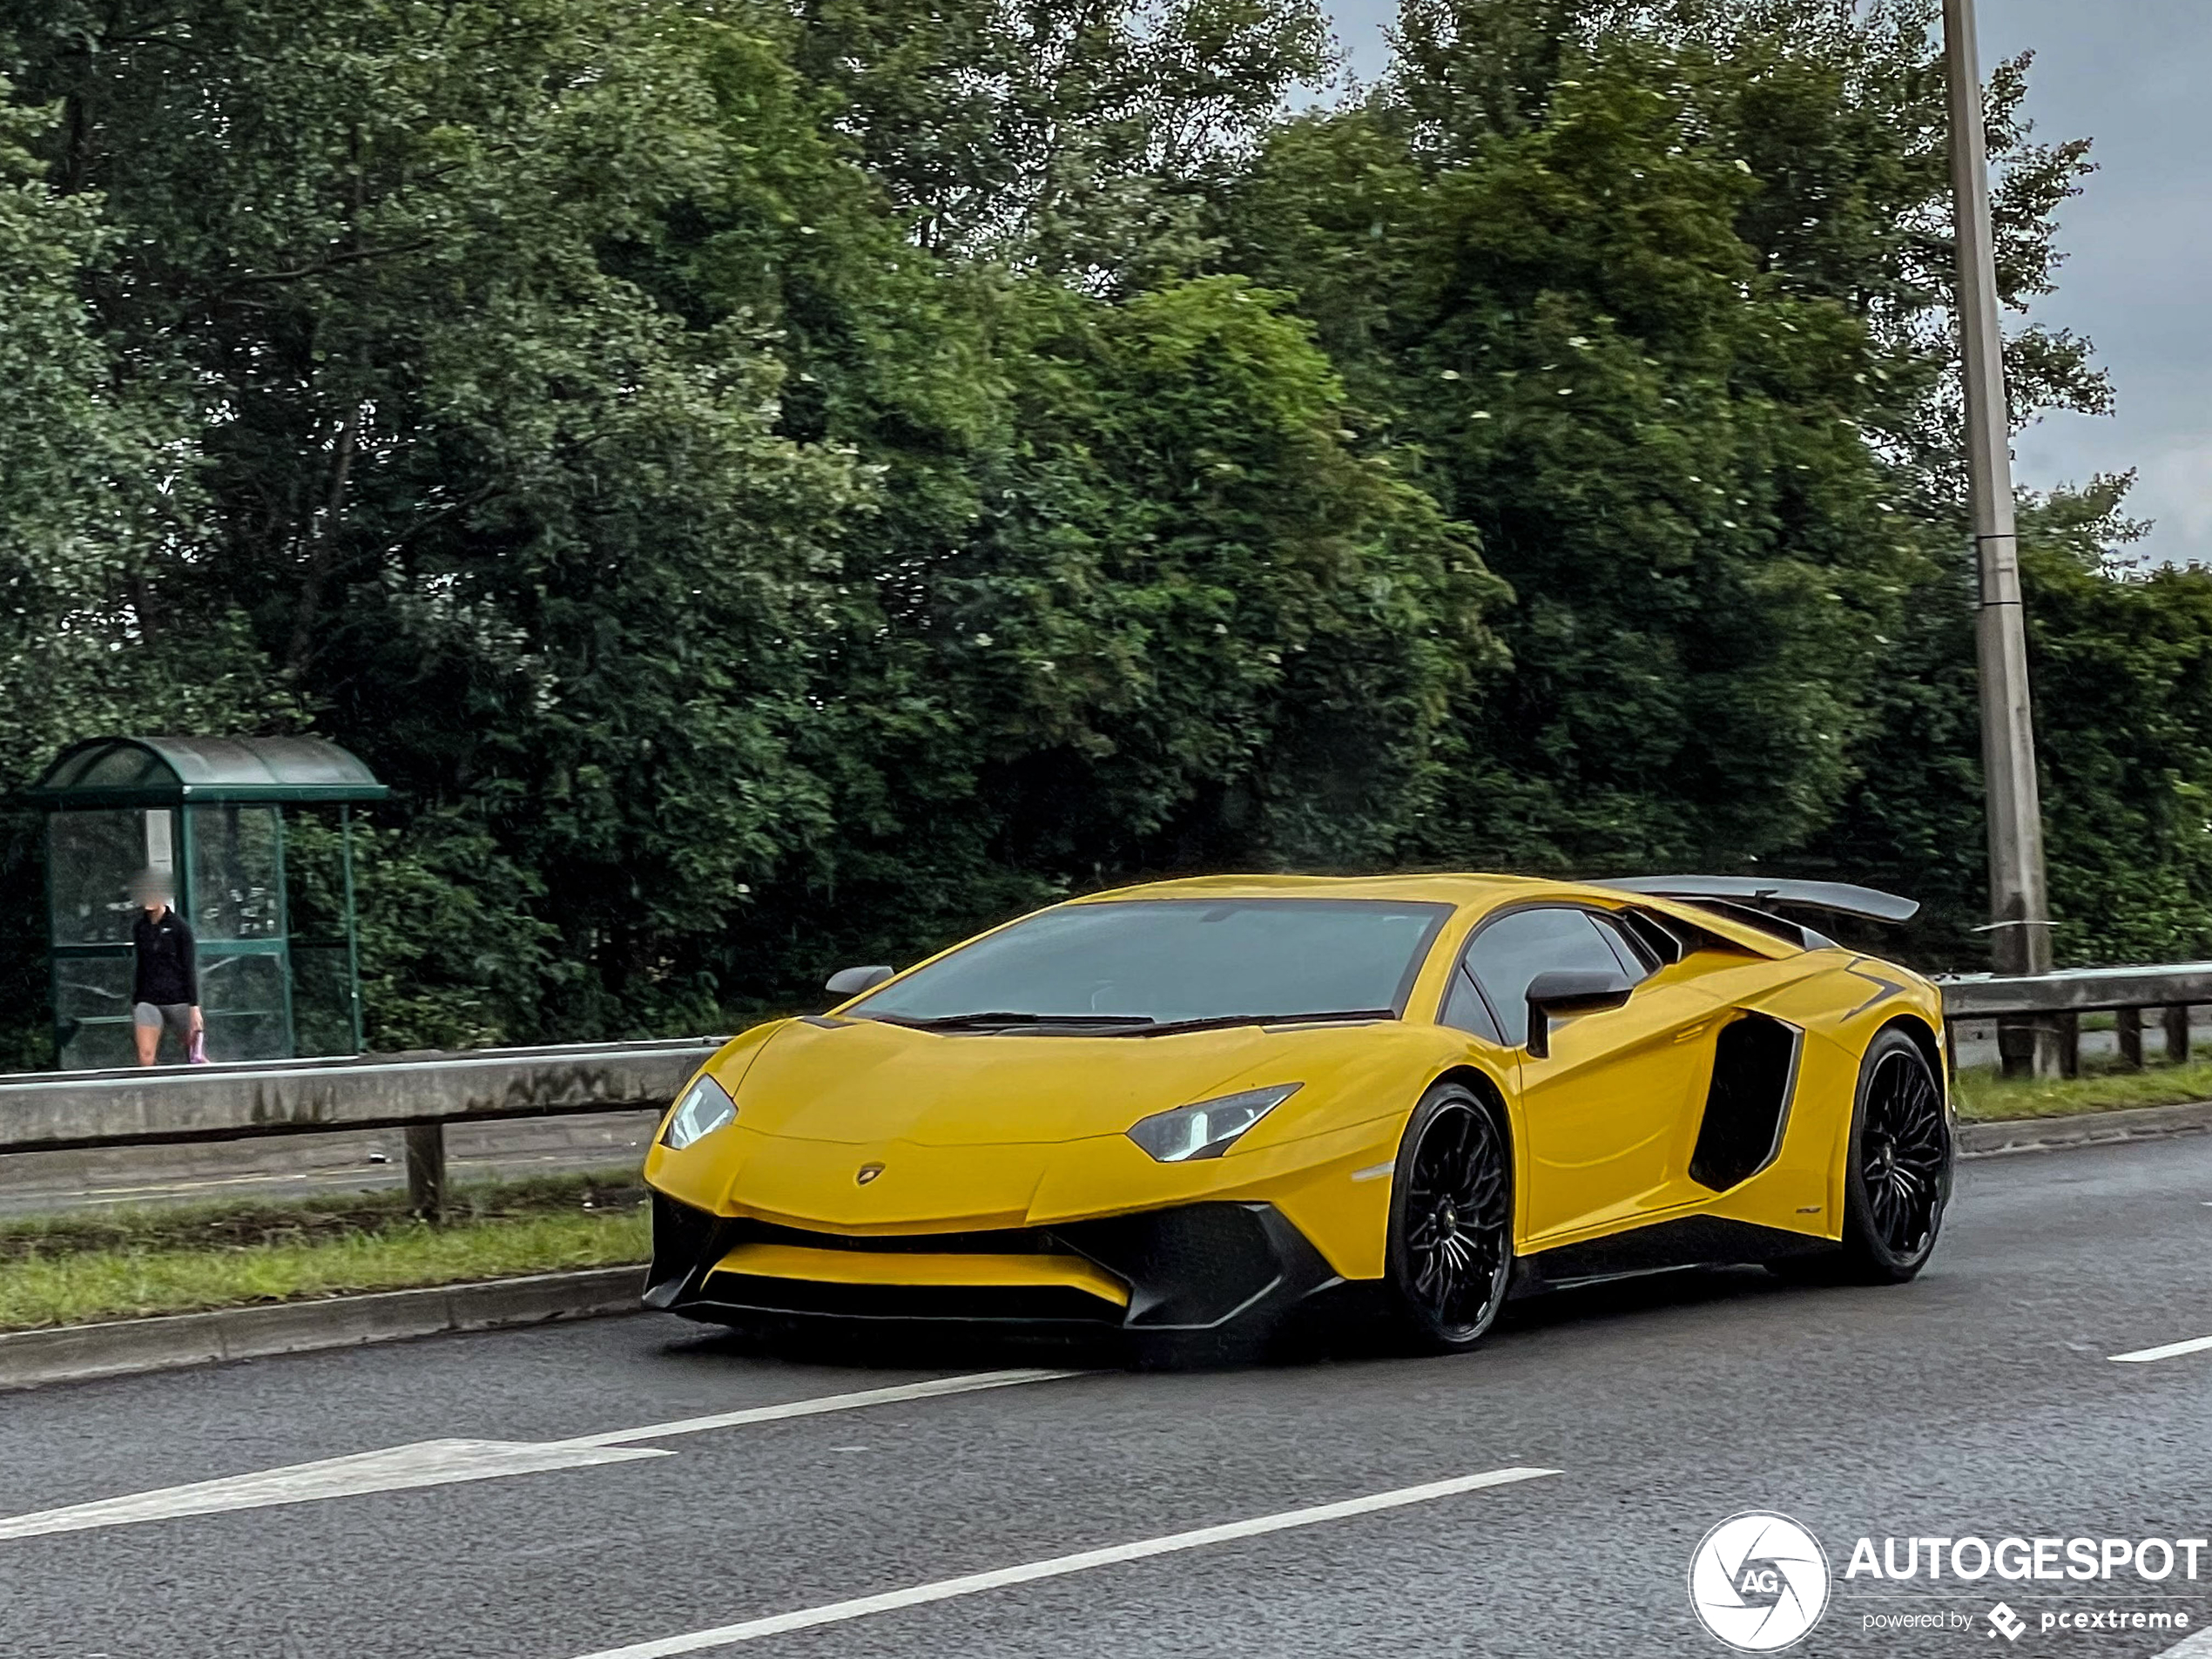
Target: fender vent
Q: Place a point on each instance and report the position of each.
(1755, 1069)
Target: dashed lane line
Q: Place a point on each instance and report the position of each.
(2171, 1350)
(975, 1583)
(967, 1384)
(398, 1469)
(448, 1462)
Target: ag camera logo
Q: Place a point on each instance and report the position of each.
(1759, 1582)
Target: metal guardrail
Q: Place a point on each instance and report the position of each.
(2080, 990)
(422, 1093)
(418, 1093)
(2060, 1000)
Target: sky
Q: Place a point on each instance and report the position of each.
(2136, 77)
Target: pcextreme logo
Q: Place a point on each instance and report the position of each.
(1759, 1582)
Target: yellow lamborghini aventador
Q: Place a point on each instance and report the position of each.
(1194, 1106)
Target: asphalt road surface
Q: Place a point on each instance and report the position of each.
(624, 1486)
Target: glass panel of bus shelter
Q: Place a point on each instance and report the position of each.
(237, 873)
(92, 859)
(323, 999)
(241, 994)
(92, 1011)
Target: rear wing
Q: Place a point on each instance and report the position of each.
(1762, 892)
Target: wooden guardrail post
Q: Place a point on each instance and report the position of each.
(426, 1170)
(2177, 1033)
(2128, 1026)
(2069, 1030)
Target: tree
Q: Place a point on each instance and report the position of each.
(769, 484)
(1067, 138)
(521, 538)
(2121, 659)
(96, 487)
(1658, 437)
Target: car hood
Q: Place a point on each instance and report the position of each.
(864, 1082)
(860, 1126)
(873, 1126)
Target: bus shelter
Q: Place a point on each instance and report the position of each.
(210, 814)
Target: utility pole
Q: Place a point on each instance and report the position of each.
(2018, 911)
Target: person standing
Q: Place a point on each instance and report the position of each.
(165, 982)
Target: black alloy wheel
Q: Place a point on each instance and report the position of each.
(1451, 1222)
(1902, 1153)
(1900, 1176)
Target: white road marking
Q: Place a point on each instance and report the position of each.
(974, 1583)
(427, 1463)
(434, 1463)
(2171, 1350)
(2197, 1647)
(826, 1403)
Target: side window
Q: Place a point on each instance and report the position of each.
(1464, 1009)
(1513, 950)
(1635, 962)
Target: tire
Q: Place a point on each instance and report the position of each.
(1450, 1252)
(1897, 1177)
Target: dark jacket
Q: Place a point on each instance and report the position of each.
(168, 972)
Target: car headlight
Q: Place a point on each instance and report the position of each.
(1210, 1128)
(706, 1107)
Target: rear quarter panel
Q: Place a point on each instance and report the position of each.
(1841, 1000)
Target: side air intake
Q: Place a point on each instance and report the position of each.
(1755, 1071)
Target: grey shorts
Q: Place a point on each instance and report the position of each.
(148, 1016)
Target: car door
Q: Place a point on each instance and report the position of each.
(1606, 1110)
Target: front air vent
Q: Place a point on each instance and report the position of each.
(1004, 1241)
(1053, 1304)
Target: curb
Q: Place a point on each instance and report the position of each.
(78, 1353)
(2083, 1129)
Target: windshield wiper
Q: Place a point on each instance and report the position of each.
(1156, 1027)
(987, 1019)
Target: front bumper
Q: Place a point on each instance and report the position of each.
(1193, 1268)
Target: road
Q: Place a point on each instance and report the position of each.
(1981, 1400)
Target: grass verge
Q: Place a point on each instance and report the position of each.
(1983, 1096)
(75, 1270)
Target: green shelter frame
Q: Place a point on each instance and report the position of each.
(209, 813)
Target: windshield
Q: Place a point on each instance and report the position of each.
(1152, 961)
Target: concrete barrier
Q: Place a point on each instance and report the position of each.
(176, 1104)
(421, 1094)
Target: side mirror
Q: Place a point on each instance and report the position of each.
(851, 981)
(1551, 995)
